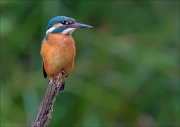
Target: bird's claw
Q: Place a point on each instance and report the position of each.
(63, 72)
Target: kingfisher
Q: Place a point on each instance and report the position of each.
(58, 47)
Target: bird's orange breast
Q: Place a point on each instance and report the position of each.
(58, 52)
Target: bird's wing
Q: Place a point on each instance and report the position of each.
(44, 72)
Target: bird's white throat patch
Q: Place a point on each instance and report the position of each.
(68, 31)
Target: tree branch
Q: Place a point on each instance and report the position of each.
(44, 113)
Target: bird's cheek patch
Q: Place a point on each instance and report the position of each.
(53, 28)
(57, 25)
(50, 30)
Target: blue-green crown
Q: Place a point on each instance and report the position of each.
(59, 19)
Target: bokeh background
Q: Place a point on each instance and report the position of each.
(126, 71)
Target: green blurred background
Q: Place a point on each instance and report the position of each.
(126, 70)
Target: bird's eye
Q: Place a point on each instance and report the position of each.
(67, 22)
(64, 22)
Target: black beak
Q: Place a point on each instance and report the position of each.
(79, 25)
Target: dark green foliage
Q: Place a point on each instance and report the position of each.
(126, 70)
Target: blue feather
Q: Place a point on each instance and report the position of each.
(59, 29)
(58, 19)
(46, 37)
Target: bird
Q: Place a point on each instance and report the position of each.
(58, 47)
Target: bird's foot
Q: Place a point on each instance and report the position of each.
(62, 87)
(62, 72)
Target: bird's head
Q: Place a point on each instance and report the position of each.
(64, 25)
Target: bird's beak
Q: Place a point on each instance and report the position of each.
(79, 25)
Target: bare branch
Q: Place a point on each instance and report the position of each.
(44, 113)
